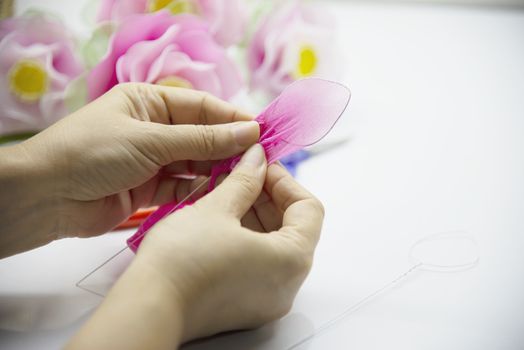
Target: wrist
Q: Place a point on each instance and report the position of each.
(147, 279)
(27, 206)
(141, 311)
(187, 283)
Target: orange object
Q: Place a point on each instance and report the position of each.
(136, 219)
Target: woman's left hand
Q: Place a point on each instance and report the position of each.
(87, 173)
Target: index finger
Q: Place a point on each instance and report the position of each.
(172, 105)
(303, 213)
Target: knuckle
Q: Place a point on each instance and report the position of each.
(308, 263)
(123, 87)
(207, 140)
(285, 309)
(280, 311)
(244, 181)
(298, 260)
(205, 96)
(286, 202)
(303, 264)
(131, 88)
(120, 87)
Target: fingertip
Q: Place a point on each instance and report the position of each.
(240, 189)
(254, 157)
(246, 133)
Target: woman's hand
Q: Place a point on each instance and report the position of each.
(91, 170)
(233, 260)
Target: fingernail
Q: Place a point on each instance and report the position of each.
(280, 164)
(246, 133)
(254, 156)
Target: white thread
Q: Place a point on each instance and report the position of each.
(81, 284)
(442, 236)
(418, 265)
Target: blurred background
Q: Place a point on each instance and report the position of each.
(432, 141)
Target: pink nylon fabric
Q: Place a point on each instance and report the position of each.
(300, 116)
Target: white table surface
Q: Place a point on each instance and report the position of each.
(436, 126)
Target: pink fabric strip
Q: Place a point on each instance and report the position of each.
(300, 116)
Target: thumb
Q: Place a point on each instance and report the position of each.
(240, 189)
(165, 144)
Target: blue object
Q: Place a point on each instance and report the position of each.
(292, 161)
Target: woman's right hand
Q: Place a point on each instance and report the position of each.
(233, 260)
(238, 261)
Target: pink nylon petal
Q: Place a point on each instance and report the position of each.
(302, 115)
(134, 241)
(202, 48)
(173, 62)
(135, 29)
(134, 64)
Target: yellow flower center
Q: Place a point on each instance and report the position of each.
(174, 81)
(307, 62)
(28, 80)
(174, 6)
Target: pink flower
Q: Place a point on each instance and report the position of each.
(169, 50)
(226, 18)
(293, 42)
(36, 65)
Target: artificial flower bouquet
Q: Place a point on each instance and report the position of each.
(242, 51)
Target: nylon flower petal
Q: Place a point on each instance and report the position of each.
(293, 42)
(227, 19)
(37, 62)
(302, 115)
(170, 50)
